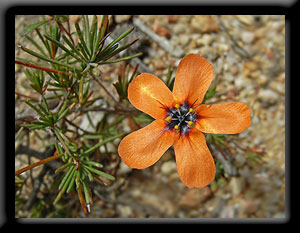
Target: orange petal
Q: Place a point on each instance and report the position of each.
(144, 147)
(193, 78)
(227, 118)
(195, 164)
(150, 95)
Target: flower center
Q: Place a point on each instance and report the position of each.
(181, 118)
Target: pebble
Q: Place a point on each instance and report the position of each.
(184, 39)
(204, 24)
(122, 18)
(193, 198)
(179, 28)
(206, 39)
(239, 160)
(247, 37)
(123, 169)
(168, 167)
(258, 81)
(237, 185)
(267, 97)
(246, 19)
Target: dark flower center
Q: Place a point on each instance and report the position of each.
(181, 118)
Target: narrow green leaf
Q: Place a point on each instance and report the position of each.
(92, 163)
(35, 108)
(31, 27)
(62, 115)
(100, 173)
(19, 133)
(72, 181)
(73, 47)
(124, 34)
(64, 187)
(63, 107)
(86, 28)
(46, 58)
(86, 192)
(46, 44)
(79, 33)
(46, 105)
(121, 59)
(36, 45)
(211, 91)
(66, 177)
(60, 45)
(88, 173)
(63, 167)
(34, 126)
(116, 51)
(105, 53)
(103, 142)
(93, 33)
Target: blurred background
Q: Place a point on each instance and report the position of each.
(248, 56)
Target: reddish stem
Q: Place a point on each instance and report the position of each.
(24, 169)
(40, 67)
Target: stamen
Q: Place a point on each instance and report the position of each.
(168, 119)
(181, 118)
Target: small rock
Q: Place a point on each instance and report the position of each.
(184, 39)
(239, 160)
(267, 97)
(173, 18)
(249, 68)
(168, 167)
(194, 197)
(74, 18)
(246, 19)
(247, 37)
(122, 18)
(204, 24)
(206, 39)
(179, 28)
(123, 169)
(125, 211)
(237, 185)
(250, 207)
(162, 31)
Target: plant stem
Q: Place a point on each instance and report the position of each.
(40, 67)
(104, 88)
(55, 156)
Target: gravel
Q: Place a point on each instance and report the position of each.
(248, 55)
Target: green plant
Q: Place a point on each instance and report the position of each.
(63, 74)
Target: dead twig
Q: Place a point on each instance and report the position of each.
(161, 41)
(224, 158)
(242, 52)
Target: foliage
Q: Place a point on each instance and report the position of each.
(63, 72)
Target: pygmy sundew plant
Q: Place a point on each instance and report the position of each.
(180, 119)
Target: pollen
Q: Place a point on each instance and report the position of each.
(190, 123)
(168, 119)
(181, 118)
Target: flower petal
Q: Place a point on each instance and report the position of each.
(144, 147)
(227, 118)
(150, 95)
(195, 164)
(193, 78)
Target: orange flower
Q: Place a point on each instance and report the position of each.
(179, 122)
